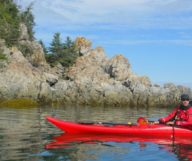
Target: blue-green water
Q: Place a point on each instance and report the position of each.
(25, 134)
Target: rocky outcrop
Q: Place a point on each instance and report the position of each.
(93, 84)
(82, 45)
(94, 79)
(119, 68)
(19, 77)
(32, 50)
(23, 33)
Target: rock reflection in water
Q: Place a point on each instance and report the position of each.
(24, 132)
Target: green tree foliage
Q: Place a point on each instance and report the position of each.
(63, 53)
(11, 18)
(3, 57)
(56, 45)
(9, 22)
(68, 43)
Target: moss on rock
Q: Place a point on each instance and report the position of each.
(19, 103)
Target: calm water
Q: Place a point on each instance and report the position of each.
(25, 135)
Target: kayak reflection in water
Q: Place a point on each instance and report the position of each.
(182, 149)
(181, 115)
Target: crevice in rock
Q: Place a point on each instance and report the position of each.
(39, 93)
(51, 83)
(128, 85)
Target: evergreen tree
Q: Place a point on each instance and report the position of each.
(63, 53)
(56, 45)
(68, 43)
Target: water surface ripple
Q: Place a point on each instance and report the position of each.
(24, 134)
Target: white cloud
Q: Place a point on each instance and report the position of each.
(91, 18)
(125, 12)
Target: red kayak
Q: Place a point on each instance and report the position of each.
(143, 130)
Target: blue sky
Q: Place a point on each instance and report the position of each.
(155, 35)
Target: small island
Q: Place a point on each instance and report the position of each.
(70, 73)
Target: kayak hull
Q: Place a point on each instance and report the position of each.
(147, 131)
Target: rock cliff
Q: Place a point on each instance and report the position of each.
(94, 79)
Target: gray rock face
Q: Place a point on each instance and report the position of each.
(34, 53)
(19, 78)
(119, 68)
(93, 79)
(23, 32)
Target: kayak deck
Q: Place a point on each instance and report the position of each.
(151, 130)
